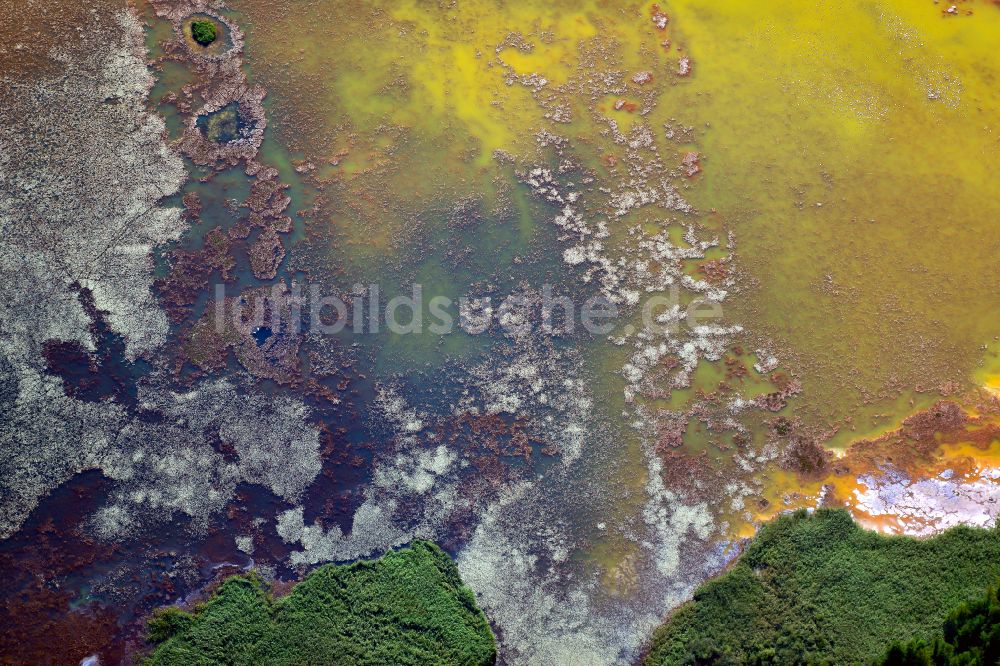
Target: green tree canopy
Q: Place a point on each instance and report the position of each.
(408, 607)
(819, 589)
(203, 31)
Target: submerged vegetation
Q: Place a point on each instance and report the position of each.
(203, 31)
(819, 589)
(222, 126)
(408, 607)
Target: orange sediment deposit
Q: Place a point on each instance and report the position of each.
(940, 468)
(931, 436)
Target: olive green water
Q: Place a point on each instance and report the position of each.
(854, 149)
(850, 148)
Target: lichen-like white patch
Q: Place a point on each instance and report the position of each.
(396, 411)
(926, 506)
(412, 494)
(533, 379)
(416, 470)
(83, 208)
(543, 622)
(767, 362)
(244, 543)
(373, 531)
(551, 610)
(575, 255)
(671, 520)
(83, 166)
(172, 466)
(415, 487)
(623, 270)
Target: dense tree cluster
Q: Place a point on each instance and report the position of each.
(408, 607)
(819, 589)
(203, 32)
(970, 637)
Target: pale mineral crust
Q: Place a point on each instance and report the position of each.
(83, 167)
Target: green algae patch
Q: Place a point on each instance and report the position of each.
(817, 588)
(203, 32)
(408, 607)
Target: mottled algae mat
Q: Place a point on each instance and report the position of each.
(584, 292)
